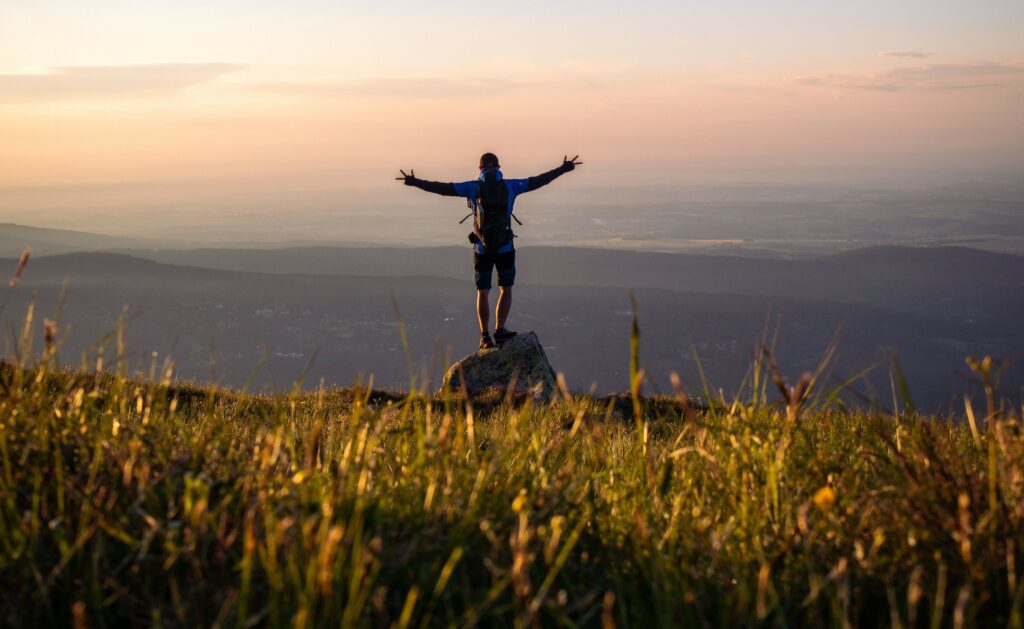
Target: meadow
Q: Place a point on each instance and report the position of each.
(144, 501)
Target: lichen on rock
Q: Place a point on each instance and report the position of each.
(519, 366)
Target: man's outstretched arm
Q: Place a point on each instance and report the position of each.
(437, 187)
(544, 179)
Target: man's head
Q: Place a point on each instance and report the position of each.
(489, 160)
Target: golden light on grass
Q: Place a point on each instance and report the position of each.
(22, 262)
(199, 505)
(824, 499)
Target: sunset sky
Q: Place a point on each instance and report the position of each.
(183, 102)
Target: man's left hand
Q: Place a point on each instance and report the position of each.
(408, 179)
(570, 164)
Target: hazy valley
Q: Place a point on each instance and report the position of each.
(259, 317)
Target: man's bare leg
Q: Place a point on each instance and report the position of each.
(483, 308)
(503, 307)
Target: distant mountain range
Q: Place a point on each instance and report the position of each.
(231, 313)
(44, 241)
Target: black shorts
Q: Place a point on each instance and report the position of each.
(484, 264)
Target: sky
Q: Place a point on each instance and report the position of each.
(164, 107)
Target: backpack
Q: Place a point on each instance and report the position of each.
(493, 225)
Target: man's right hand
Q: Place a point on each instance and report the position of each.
(408, 179)
(570, 164)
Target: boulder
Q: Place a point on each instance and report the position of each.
(520, 362)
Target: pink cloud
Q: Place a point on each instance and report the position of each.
(907, 54)
(926, 77)
(102, 82)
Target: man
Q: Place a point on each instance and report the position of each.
(491, 197)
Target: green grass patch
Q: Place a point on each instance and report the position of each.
(141, 502)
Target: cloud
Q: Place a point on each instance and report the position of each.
(105, 82)
(909, 54)
(927, 77)
(391, 88)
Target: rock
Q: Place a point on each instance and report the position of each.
(520, 360)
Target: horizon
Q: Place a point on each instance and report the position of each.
(775, 219)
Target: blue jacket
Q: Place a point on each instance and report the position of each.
(468, 189)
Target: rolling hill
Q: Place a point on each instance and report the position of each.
(265, 328)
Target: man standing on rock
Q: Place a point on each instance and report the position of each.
(491, 198)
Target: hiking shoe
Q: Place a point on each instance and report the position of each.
(503, 335)
(485, 341)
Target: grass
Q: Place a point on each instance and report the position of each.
(139, 501)
(125, 501)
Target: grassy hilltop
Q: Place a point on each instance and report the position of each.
(124, 501)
